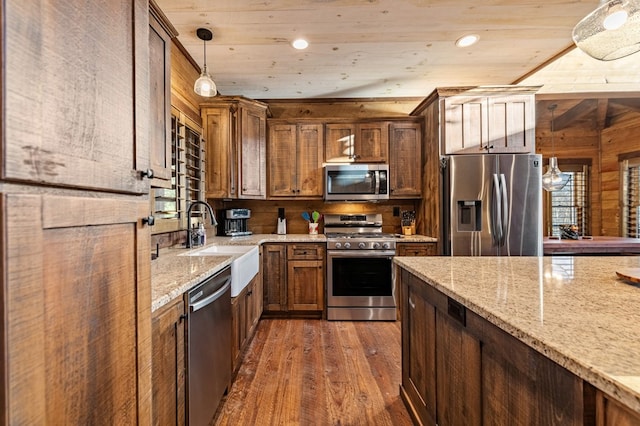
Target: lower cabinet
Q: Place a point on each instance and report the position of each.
(169, 365)
(293, 279)
(246, 309)
(457, 368)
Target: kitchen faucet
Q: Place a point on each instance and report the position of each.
(214, 222)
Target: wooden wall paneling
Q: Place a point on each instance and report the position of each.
(428, 221)
(615, 141)
(599, 129)
(348, 108)
(264, 214)
(184, 73)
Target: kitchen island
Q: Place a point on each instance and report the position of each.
(566, 324)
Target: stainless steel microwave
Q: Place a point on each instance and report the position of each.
(356, 182)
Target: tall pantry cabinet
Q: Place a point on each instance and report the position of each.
(76, 335)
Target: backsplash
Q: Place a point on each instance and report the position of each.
(264, 214)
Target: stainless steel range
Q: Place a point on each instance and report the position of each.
(359, 268)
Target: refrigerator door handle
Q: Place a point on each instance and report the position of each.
(505, 210)
(496, 216)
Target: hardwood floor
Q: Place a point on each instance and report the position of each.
(315, 372)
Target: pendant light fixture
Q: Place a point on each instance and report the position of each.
(204, 85)
(612, 31)
(554, 179)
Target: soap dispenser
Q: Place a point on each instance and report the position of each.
(282, 222)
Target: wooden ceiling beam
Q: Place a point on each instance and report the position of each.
(577, 112)
(602, 118)
(631, 103)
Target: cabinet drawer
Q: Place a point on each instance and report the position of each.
(424, 249)
(305, 252)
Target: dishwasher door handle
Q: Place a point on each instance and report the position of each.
(212, 298)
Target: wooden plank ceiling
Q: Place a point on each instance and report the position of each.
(392, 48)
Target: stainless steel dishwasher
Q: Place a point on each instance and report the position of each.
(208, 346)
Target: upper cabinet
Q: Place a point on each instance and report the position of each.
(160, 35)
(366, 142)
(481, 122)
(296, 153)
(405, 159)
(96, 133)
(235, 134)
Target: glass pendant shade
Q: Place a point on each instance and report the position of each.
(612, 31)
(554, 179)
(204, 85)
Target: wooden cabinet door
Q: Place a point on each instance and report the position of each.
(238, 307)
(458, 370)
(274, 275)
(305, 285)
(310, 157)
(511, 124)
(465, 128)
(418, 349)
(371, 143)
(282, 159)
(339, 142)
(77, 310)
(252, 154)
(159, 103)
(219, 123)
(405, 160)
(169, 365)
(520, 383)
(255, 302)
(56, 134)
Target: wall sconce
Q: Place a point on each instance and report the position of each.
(612, 31)
(204, 85)
(554, 179)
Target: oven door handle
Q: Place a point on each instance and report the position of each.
(360, 253)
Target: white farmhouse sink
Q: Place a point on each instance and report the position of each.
(244, 266)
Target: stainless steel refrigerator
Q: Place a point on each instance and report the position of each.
(492, 205)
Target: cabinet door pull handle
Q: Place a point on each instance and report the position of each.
(146, 173)
(457, 311)
(149, 220)
(411, 303)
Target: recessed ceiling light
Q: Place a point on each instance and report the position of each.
(300, 43)
(468, 40)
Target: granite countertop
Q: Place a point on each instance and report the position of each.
(574, 310)
(173, 273)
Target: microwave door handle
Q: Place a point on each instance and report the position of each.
(377, 181)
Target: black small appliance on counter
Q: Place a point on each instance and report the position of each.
(234, 223)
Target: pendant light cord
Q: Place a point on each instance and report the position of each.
(552, 108)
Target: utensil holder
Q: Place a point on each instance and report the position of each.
(313, 228)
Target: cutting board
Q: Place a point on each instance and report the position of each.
(630, 274)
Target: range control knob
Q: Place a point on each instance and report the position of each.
(347, 245)
(376, 245)
(362, 245)
(386, 245)
(338, 245)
